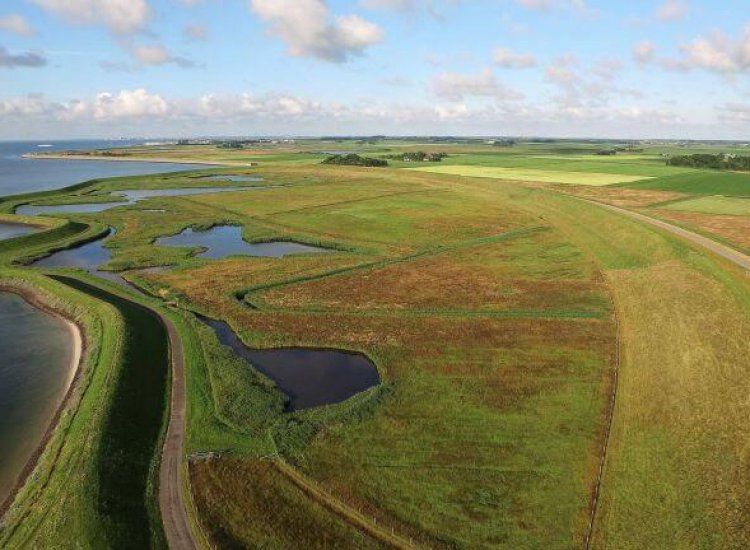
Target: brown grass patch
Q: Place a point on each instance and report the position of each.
(620, 196)
(247, 503)
(735, 229)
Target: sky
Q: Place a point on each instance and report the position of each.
(675, 69)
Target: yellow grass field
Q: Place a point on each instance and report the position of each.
(530, 174)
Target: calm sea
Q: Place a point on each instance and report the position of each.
(20, 175)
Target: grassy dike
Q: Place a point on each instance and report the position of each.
(95, 483)
(675, 475)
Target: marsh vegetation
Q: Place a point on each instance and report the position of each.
(495, 307)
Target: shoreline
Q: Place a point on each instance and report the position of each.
(36, 299)
(156, 160)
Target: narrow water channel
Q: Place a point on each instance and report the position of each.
(87, 256)
(129, 197)
(9, 230)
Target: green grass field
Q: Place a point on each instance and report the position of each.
(714, 205)
(496, 316)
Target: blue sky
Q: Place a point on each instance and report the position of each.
(638, 68)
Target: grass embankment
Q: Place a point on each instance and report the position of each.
(95, 483)
(676, 469)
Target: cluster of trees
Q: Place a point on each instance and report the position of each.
(353, 159)
(231, 145)
(716, 162)
(418, 156)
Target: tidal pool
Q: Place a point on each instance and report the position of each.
(226, 240)
(309, 377)
(131, 197)
(87, 256)
(37, 352)
(10, 230)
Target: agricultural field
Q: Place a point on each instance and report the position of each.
(501, 311)
(530, 174)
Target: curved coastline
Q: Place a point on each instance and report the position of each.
(36, 299)
(157, 160)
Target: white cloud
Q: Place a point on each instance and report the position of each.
(308, 30)
(547, 5)
(671, 10)
(120, 16)
(399, 5)
(16, 24)
(457, 86)
(452, 111)
(126, 104)
(244, 105)
(716, 52)
(536, 5)
(507, 58)
(148, 113)
(27, 59)
(27, 106)
(644, 52)
(580, 91)
(155, 54)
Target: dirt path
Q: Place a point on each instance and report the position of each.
(172, 502)
(733, 256)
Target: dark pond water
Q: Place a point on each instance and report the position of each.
(88, 256)
(226, 240)
(10, 230)
(130, 196)
(36, 352)
(20, 175)
(308, 377)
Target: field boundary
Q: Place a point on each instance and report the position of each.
(344, 511)
(516, 233)
(595, 496)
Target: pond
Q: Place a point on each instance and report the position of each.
(87, 256)
(131, 197)
(38, 353)
(222, 241)
(309, 377)
(9, 230)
